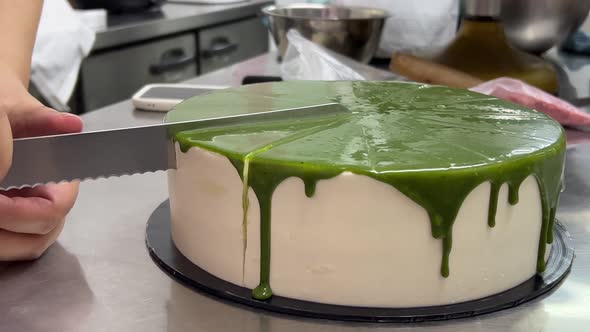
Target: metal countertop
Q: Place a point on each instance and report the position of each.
(99, 277)
(171, 19)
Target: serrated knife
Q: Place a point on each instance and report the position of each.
(106, 153)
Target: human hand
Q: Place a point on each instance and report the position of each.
(31, 218)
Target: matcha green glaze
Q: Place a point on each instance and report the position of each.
(433, 144)
(493, 205)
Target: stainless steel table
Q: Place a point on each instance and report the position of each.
(99, 277)
(171, 19)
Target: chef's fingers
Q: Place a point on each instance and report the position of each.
(40, 120)
(17, 246)
(36, 210)
(5, 145)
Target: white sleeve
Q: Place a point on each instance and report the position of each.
(62, 42)
(417, 26)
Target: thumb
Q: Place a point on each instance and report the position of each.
(43, 121)
(5, 145)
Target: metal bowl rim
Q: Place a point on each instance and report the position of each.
(269, 10)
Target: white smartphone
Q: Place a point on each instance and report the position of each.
(163, 97)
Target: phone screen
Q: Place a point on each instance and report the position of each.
(181, 93)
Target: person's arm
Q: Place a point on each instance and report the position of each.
(18, 27)
(31, 219)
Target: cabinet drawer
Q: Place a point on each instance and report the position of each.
(115, 75)
(230, 43)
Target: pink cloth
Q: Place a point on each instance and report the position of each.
(521, 93)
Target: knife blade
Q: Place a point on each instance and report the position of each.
(125, 151)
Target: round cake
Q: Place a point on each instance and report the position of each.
(418, 196)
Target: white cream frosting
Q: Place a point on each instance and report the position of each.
(357, 241)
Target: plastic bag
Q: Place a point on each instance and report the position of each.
(419, 27)
(305, 60)
(521, 93)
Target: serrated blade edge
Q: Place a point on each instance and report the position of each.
(92, 155)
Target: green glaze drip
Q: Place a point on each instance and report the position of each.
(310, 184)
(263, 291)
(513, 192)
(245, 206)
(436, 221)
(543, 236)
(493, 205)
(268, 179)
(447, 243)
(433, 144)
(264, 181)
(551, 222)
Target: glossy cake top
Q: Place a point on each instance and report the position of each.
(394, 126)
(434, 144)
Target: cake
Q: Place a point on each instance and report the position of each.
(421, 196)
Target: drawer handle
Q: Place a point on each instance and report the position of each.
(219, 46)
(172, 59)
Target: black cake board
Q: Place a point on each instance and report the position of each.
(163, 251)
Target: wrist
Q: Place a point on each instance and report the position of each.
(8, 72)
(14, 96)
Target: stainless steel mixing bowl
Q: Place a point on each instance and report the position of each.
(537, 25)
(351, 31)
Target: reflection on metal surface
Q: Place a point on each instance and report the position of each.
(536, 26)
(573, 71)
(184, 304)
(53, 289)
(351, 31)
